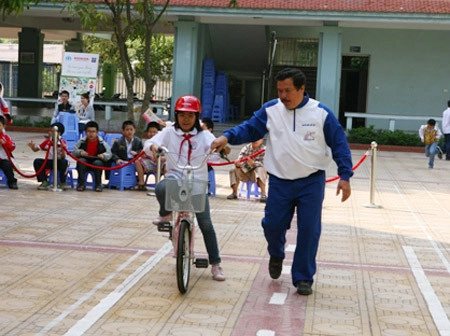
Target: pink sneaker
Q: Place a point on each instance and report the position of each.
(217, 273)
(162, 219)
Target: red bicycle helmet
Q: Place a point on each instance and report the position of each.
(188, 103)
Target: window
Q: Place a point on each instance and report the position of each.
(301, 52)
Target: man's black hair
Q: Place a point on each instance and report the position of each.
(66, 92)
(298, 77)
(2, 120)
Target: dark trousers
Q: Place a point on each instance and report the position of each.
(447, 146)
(7, 168)
(82, 169)
(62, 166)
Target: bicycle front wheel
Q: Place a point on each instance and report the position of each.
(183, 256)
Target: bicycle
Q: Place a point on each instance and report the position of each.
(184, 197)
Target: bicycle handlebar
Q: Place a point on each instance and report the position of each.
(163, 151)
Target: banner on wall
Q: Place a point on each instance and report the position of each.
(79, 75)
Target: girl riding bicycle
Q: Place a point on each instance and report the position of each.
(187, 138)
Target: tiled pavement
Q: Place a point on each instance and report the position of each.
(93, 264)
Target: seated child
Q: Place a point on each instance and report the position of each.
(6, 144)
(126, 148)
(146, 163)
(93, 150)
(62, 163)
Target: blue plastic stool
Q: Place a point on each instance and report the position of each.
(3, 179)
(249, 188)
(123, 178)
(69, 178)
(212, 183)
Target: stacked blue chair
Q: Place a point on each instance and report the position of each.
(222, 90)
(71, 134)
(208, 87)
(217, 112)
(123, 178)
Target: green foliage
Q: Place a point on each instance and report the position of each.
(27, 122)
(366, 135)
(8, 7)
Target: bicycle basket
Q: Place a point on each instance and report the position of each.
(185, 195)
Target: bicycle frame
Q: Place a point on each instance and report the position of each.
(180, 200)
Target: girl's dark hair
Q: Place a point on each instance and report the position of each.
(86, 95)
(197, 125)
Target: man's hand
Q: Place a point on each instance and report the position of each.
(219, 143)
(343, 186)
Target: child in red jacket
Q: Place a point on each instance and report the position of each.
(4, 109)
(7, 145)
(60, 156)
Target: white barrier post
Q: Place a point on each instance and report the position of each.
(372, 204)
(55, 159)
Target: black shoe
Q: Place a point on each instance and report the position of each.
(13, 186)
(304, 288)
(275, 267)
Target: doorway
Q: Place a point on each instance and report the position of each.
(353, 94)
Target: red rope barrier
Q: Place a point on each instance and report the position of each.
(331, 179)
(77, 159)
(23, 174)
(364, 157)
(241, 160)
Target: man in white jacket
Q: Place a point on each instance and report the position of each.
(303, 138)
(446, 130)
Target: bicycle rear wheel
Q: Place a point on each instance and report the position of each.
(183, 256)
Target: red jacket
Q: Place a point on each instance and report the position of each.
(9, 145)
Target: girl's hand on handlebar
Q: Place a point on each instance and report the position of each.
(219, 143)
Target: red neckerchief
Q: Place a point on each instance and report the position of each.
(187, 137)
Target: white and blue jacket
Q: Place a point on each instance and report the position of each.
(300, 141)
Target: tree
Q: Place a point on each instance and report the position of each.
(131, 21)
(8, 7)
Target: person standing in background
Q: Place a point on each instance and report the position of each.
(446, 130)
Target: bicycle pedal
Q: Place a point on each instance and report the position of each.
(201, 263)
(164, 227)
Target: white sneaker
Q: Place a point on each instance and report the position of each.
(162, 219)
(217, 273)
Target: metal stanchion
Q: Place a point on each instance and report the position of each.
(372, 204)
(55, 159)
(158, 175)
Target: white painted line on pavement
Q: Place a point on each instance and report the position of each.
(286, 269)
(291, 248)
(278, 298)
(265, 332)
(89, 294)
(98, 311)
(434, 305)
